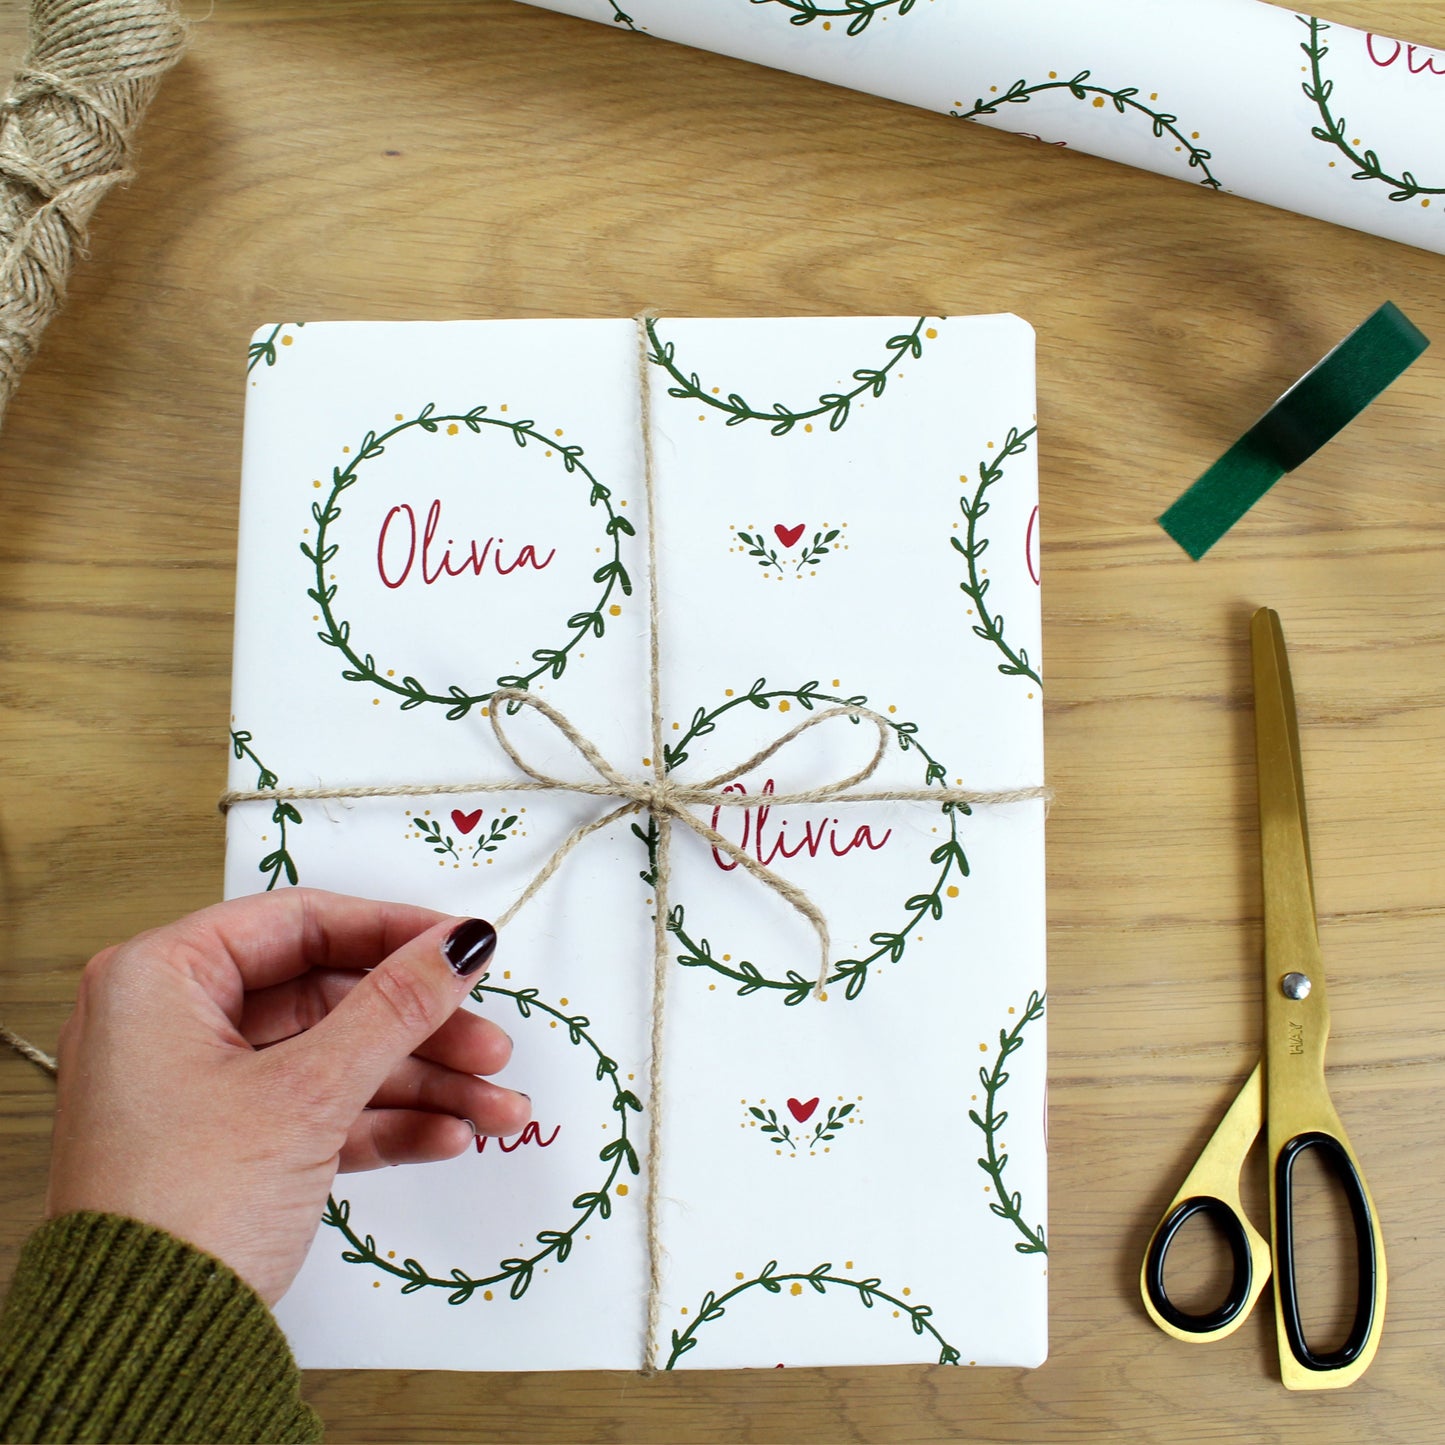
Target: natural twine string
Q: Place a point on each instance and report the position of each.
(66, 125)
(668, 802)
(37, 1056)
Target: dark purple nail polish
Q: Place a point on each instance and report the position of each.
(469, 945)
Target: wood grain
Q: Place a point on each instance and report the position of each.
(364, 159)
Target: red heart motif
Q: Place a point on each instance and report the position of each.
(802, 1112)
(788, 535)
(465, 822)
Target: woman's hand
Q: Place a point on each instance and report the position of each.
(216, 1073)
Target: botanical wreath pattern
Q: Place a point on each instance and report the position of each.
(990, 625)
(1006, 1205)
(891, 943)
(516, 1274)
(858, 13)
(1332, 129)
(278, 863)
(837, 406)
(868, 1292)
(265, 348)
(611, 576)
(1125, 99)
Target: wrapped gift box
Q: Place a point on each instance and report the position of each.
(845, 515)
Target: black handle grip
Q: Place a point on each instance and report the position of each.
(1284, 1277)
(1239, 1285)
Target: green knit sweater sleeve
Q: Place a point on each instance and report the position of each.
(116, 1331)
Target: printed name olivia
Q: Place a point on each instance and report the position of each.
(399, 549)
(767, 846)
(1386, 52)
(530, 1135)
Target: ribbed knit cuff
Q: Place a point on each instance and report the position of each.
(116, 1331)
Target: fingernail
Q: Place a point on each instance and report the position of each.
(469, 945)
(471, 1126)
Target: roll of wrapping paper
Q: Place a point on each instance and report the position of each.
(1233, 95)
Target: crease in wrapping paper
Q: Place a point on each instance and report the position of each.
(1233, 95)
(921, 477)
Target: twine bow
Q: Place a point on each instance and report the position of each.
(669, 801)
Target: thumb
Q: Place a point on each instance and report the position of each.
(400, 1004)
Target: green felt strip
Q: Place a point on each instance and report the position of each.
(1322, 403)
(1221, 496)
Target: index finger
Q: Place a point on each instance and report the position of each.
(268, 938)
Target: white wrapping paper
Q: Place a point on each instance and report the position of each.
(847, 509)
(1235, 95)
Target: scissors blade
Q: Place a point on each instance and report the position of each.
(1295, 1028)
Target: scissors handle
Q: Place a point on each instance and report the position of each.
(1217, 1322)
(1369, 1254)
(1212, 1189)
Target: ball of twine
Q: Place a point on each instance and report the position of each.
(66, 127)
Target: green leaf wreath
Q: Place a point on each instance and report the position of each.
(819, 1278)
(858, 13)
(1332, 130)
(890, 943)
(837, 406)
(278, 863)
(1006, 1205)
(1125, 99)
(612, 576)
(990, 626)
(517, 1273)
(265, 349)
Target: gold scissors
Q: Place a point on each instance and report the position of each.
(1285, 1094)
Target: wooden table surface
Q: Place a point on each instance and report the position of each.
(366, 159)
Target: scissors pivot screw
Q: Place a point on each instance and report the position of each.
(1295, 985)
